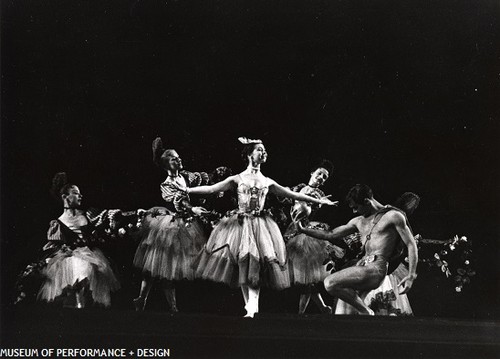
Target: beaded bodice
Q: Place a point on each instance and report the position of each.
(251, 198)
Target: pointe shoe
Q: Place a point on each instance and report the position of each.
(80, 304)
(251, 309)
(249, 315)
(139, 304)
(370, 312)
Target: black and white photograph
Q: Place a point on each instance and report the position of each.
(250, 179)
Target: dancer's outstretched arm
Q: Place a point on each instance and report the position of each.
(279, 190)
(221, 186)
(333, 236)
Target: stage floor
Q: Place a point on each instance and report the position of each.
(267, 335)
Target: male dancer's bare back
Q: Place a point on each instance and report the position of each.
(380, 228)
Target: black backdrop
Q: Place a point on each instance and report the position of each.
(401, 95)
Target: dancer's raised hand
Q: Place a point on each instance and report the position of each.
(326, 201)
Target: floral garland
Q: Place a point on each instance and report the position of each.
(453, 258)
(28, 281)
(210, 218)
(116, 223)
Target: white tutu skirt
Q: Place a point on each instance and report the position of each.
(69, 267)
(169, 246)
(384, 300)
(245, 250)
(306, 258)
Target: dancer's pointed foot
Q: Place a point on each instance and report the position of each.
(81, 300)
(80, 303)
(369, 312)
(139, 303)
(174, 309)
(251, 309)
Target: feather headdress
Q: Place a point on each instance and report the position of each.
(248, 141)
(157, 150)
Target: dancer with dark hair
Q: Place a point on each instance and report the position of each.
(307, 255)
(381, 228)
(246, 248)
(172, 236)
(386, 299)
(75, 265)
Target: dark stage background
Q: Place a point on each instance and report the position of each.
(400, 95)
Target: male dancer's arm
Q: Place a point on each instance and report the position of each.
(404, 232)
(334, 236)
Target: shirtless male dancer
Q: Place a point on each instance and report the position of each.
(380, 228)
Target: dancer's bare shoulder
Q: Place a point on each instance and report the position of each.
(356, 222)
(396, 218)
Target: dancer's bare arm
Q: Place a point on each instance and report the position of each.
(404, 231)
(221, 186)
(333, 236)
(281, 191)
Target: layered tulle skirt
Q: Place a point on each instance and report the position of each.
(245, 250)
(69, 267)
(307, 256)
(169, 246)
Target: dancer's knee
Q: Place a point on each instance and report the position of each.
(331, 283)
